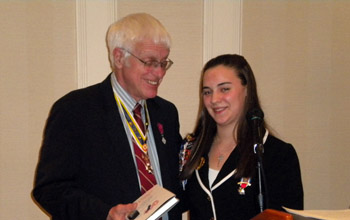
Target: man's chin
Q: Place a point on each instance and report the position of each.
(150, 95)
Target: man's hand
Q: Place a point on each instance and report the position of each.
(121, 211)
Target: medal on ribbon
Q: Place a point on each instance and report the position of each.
(161, 131)
(244, 183)
(139, 137)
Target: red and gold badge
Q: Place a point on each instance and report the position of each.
(244, 183)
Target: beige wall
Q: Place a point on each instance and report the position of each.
(37, 57)
(298, 50)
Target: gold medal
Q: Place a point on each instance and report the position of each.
(144, 148)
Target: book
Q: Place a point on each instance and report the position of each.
(154, 203)
(343, 214)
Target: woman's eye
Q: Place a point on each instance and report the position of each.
(225, 89)
(206, 92)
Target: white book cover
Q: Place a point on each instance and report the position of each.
(154, 203)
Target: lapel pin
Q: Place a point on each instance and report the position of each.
(244, 183)
(161, 131)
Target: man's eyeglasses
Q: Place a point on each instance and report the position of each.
(165, 64)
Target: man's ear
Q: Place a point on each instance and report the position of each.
(118, 56)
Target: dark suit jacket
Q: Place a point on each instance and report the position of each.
(86, 166)
(283, 180)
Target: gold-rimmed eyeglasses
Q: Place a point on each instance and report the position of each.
(165, 64)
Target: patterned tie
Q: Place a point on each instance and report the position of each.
(147, 179)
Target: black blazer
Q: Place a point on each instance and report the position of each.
(283, 180)
(86, 166)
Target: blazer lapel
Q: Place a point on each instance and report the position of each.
(120, 145)
(203, 172)
(157, 116)
(228, 169)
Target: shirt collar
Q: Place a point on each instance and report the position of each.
(126, 98)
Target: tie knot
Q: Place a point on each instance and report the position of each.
(138, 117)
(137, 109)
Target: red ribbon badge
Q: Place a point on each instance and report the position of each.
(161, 131)
(244, 183)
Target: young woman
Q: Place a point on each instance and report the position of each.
(218, 163)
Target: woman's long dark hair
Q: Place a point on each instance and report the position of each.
(205, 128)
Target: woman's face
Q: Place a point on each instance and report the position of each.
(223, 95)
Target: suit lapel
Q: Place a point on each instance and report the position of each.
(157, 116)
(120, 145)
